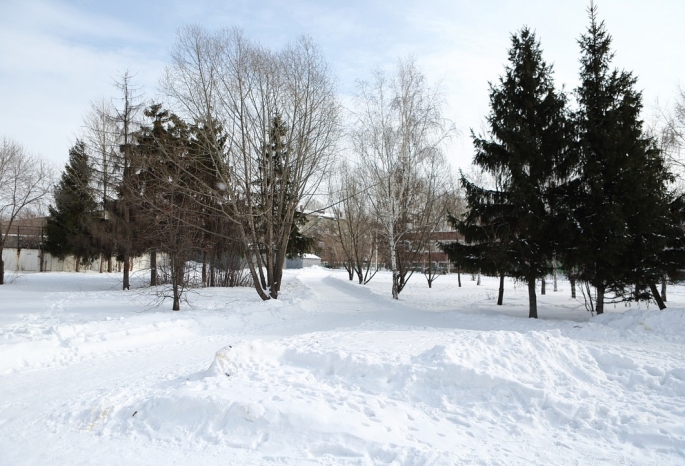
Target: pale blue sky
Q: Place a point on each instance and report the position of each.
(56, 56)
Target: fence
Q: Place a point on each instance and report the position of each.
(29, 260)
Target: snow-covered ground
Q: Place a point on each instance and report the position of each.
(335, 373)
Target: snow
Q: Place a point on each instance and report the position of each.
(335, 373)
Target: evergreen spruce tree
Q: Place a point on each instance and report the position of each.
(168, 194)
(623, 208)
(69, 226)
(207, 141)
(487, 237)
(517, 222)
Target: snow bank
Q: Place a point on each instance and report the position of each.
(312, 396)
(668, 323)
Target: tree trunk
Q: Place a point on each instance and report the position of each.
(177, 275)
(663, 290)
(277, 274)
(212, 272)
(500, 295)
(2, 269)
(78, 264)
(395, 284)
(42, 250)
(599, 307)
(258, 278)
(126, 284)
(554, 274)
(395, 274)
(657, 296)
(393, 264)
(542, 286)
(153, 267)
(572, 279)
(478, 281)
(177, 298)
(109, 263)
(459, 277)
(262, 279)
(532, 300)
(204, 268)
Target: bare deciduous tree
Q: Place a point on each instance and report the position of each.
(280, 118)
(125, 119)
(355, 226)
(446, 201)
(25, 181)
(398, 136)
(101, 136)
(671, 132)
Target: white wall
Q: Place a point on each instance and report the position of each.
(28, 260)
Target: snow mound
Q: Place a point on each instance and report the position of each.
(316, 396)
(667, 323)
(254, 355)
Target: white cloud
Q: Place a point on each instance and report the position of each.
(54, 61)
(58, 55)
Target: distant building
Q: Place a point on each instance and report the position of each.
(23, 252)
(430, 254)
(306, 260)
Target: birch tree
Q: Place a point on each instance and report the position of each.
(398, 136)
(670, 134)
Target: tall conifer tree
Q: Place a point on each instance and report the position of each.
(69, 226)
(623, 216)
(527, 152)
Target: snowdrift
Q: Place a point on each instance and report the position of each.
(320, 396)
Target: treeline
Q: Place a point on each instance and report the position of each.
(149, 195)
(251, 140)
(261, 135)
(220, 185)
(585, 188)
